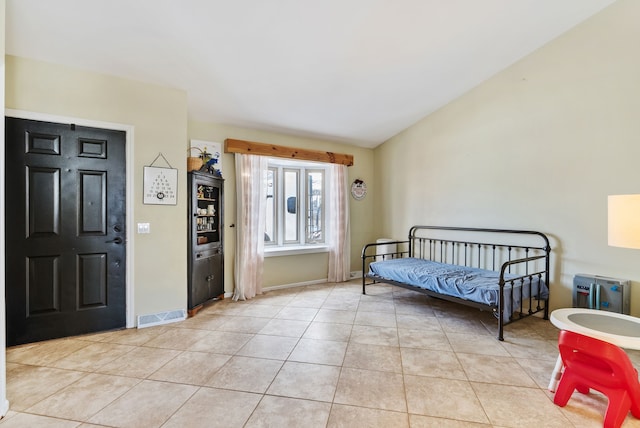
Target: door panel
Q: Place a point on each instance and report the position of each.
(43, 191)
(65, 223)
(93, 203)
(92, 274)
(43, 285)
(46, 144)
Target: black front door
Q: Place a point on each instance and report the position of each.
(65, 230)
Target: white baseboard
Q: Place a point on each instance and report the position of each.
(296, 284)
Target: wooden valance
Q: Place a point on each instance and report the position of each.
(262, 149)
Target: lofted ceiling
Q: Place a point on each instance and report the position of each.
(354, 71)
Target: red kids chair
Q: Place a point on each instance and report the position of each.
(592, 363)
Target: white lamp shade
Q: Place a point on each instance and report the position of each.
(624, 221)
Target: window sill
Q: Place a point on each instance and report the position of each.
(295, 250)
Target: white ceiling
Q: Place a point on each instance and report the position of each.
(355, 71)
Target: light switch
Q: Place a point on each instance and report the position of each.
(144, 228)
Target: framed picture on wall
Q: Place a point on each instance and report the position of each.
(160, 186)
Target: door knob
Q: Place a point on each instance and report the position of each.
(116, 240)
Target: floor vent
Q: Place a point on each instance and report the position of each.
(161, 318)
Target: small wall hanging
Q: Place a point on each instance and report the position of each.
(358, 189)
(160, 184)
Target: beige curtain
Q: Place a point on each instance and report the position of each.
(339, 251)
(251, 196)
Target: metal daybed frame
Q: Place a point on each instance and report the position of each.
(521, 252)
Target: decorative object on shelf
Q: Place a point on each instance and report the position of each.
(210, 154)
(358, 189)
(194, 163)
(160, 184)
(209, 167)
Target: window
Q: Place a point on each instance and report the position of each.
(296, 196)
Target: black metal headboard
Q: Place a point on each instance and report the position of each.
(479, 247)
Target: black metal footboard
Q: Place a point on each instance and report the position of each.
(521, 257)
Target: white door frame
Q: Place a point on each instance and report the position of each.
(129, 129)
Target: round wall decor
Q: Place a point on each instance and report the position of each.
(358, 189)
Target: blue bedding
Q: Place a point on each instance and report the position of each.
(477, 285)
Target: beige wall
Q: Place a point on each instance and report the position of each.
(538, 146)
(159, 118)
(286, 270)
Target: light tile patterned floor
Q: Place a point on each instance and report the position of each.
(315, 356)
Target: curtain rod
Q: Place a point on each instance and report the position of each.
(262, 149)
